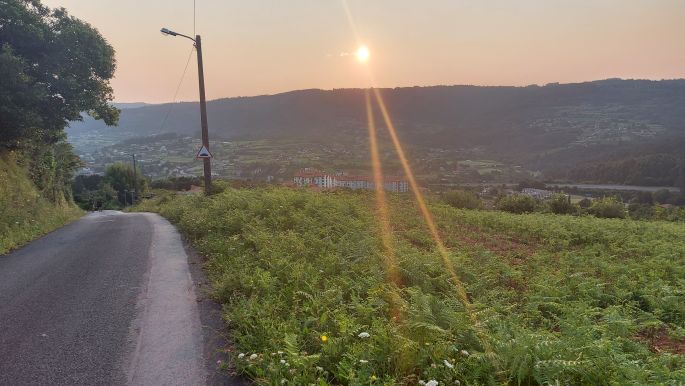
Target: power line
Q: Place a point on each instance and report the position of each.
(180, 82)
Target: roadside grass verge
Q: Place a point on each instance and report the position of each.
(557, 299)
(24, 214)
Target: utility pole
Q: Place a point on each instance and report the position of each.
(135, 181)
(203, 105)
(203, 114)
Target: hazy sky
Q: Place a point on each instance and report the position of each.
(267, 46)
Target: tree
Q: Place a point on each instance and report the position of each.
(120, 177)
(517, 204)
(663, 196)
(643, 198)
(561, 204)
(585, 203)
(461, 199)
(641, 211)
(53, 67)
(608, 207)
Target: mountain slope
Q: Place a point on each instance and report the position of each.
(540, 126)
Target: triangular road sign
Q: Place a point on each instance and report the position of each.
(203, 153)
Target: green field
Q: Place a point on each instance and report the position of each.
(555, 299)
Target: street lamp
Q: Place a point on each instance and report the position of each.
(203, 107)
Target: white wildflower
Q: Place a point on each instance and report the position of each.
(464, 353)
(448, 364)
(422, 382)
(280, 353)
(241, 355)
(282, 361)
(457, 382)
(253, 356)
(432, 382)
(283, 381)
(363, 361)
(319, 368)
(364, 335)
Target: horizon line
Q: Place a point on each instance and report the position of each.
(549, 84)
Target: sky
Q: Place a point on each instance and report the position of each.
(260, 47)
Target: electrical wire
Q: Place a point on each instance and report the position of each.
(178, 88)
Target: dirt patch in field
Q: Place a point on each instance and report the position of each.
(503, 245)
(660, 341)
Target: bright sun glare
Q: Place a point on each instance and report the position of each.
(362, 54)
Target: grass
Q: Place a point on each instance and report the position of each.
(24, 213)
(555, 299)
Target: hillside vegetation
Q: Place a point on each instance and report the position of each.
(24, 213)
(609, 131)
(555, 299)
(53, 68)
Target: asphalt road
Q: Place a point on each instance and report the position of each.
(106, 300)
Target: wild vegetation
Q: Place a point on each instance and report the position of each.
(25, 213)
(660, 205)
(118, 187)
(53, 67)
(552, 299)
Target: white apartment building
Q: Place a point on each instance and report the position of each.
(314, 177)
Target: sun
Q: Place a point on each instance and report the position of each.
(362, 54)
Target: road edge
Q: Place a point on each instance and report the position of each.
(215, 334)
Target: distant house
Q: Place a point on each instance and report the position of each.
(537, 193)
(323, 180)
(313, 177)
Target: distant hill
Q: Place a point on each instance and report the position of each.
(548, 128)
(130, 105)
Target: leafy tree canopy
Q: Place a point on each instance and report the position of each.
(123, 179)
(53, 67)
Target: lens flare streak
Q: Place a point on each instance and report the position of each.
(430, 223)
(389, 259)
(386, 230)
(381, 205)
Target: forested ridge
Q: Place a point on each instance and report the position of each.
(563, 130)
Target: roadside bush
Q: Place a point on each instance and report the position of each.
(463, 200)
(561, 204)
(607, 207)
(517, 204)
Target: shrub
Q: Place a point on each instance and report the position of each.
(463, 200)
(561, 204)
(607, 207)
(517, 204)
(641, 211)
(585, 203)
